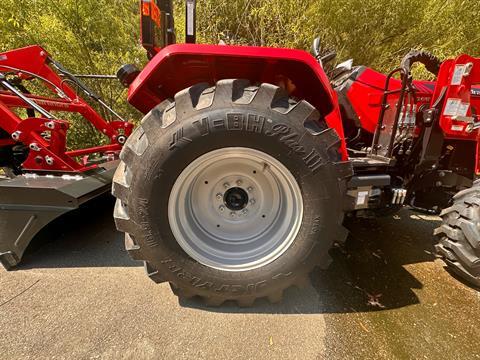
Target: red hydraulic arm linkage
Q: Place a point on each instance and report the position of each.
(45, 134)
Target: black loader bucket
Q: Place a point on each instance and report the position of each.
(31, 201)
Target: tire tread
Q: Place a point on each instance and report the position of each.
(459, 235)
(233, 92)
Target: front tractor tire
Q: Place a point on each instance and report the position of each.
(232, 192)
(459, 235)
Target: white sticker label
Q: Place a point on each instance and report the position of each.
(458, 74)
(361, 197)
(457, 127)
(451, 107)
(190, 18)
(463, 109)
(3, 57)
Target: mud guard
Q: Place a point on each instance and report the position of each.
(171, 71)
(29, 202)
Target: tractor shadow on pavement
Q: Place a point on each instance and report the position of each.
(85, 237)
(367, 273)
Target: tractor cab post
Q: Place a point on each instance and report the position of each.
(158, 26)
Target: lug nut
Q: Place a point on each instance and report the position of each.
(221, 208)
(252, 201)
(239, 182)
(50, 125)
(219, 196)
(244, 211)
(226, 185)
(250, 189)
(232, 214)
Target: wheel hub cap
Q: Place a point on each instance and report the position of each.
(235, 198)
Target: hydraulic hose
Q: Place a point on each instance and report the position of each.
(431, 62)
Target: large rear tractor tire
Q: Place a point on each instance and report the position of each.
(459, 244)
(231, 192)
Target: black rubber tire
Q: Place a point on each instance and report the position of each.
(203, 119)
(459, 244)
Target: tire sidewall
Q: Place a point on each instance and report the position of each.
(173, 148)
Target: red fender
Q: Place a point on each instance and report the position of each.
(179, 66)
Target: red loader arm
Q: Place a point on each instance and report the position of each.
(48, 153)
(33, 199)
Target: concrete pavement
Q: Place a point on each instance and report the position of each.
(78, 295)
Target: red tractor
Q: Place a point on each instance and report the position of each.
(237, 181)
(235, 184)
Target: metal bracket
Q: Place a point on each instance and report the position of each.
(29, 202)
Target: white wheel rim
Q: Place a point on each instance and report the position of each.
(218, 226)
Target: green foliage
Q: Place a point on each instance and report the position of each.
(98, 36)
(87, 37)
(375, 33)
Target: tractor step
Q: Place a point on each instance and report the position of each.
(31, 201)
(371, 161)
